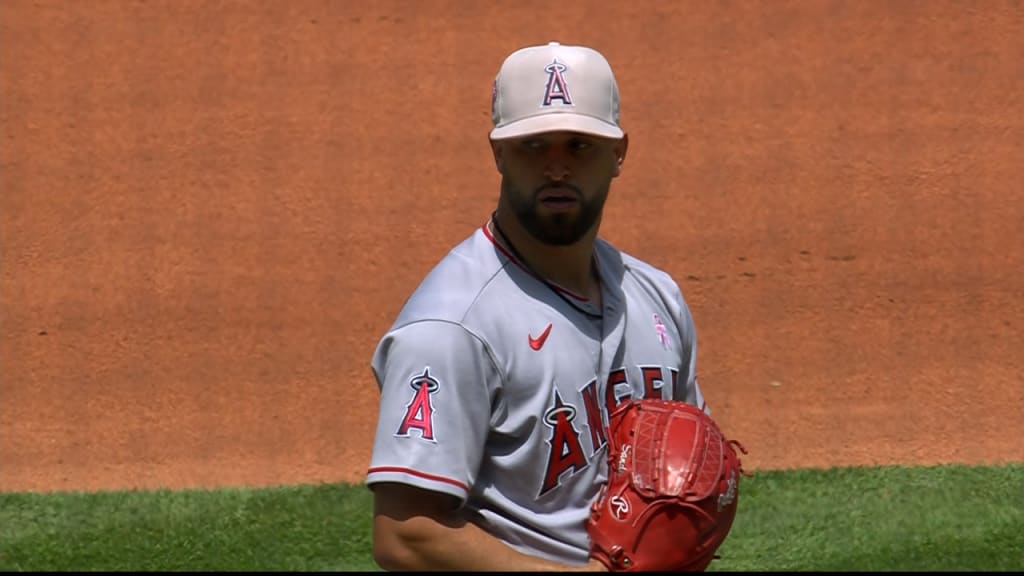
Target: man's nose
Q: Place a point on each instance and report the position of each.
(556, 164)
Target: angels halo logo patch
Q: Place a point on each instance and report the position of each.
(557, 89)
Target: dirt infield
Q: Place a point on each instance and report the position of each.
(210, 211)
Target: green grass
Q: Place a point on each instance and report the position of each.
(943, 518)
(303, 528)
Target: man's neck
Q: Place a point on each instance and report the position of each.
(569, 267)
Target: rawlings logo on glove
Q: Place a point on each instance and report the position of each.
(672, 490)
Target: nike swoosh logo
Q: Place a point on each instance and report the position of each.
(538, 342)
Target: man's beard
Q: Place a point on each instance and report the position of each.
(558, 228)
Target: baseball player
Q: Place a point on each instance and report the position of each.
(499, 372)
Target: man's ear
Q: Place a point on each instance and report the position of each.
(497, 150)
(621, 147)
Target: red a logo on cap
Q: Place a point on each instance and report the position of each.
(557, 89)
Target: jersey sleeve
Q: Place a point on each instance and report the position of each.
(436, 382)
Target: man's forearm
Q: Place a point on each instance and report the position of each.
(426, 544)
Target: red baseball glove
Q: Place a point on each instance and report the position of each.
(672, 490)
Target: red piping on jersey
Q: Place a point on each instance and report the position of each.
(509, 255)
(412, 472)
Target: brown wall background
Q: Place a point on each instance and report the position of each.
(210, 211)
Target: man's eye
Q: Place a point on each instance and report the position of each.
(533, 144)
(580, 144)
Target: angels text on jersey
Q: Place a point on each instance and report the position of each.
(575, 426)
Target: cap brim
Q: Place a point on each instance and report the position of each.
(558, 122)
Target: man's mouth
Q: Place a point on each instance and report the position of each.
(558, 200)
(558, 195)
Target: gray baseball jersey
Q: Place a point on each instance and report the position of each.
(496, 387)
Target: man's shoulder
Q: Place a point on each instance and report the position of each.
(634, 265)
(454, 283)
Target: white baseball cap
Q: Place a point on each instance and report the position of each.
(554, 87)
